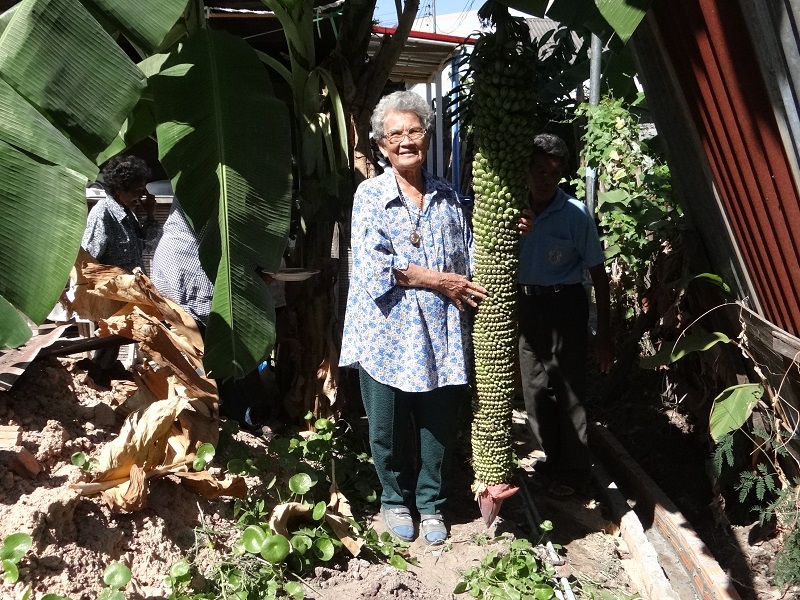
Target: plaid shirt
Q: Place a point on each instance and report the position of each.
(177, 272)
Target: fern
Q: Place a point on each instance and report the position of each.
(762, 481)
(722, 454)
(787, 563)
(746, 482)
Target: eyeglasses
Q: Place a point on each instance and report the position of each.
(413, 134)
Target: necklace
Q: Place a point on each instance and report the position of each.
(414, 238)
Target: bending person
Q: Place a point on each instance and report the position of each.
(178, 275)
(114, 236)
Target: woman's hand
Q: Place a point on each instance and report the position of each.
(525, 222)
(460, 290)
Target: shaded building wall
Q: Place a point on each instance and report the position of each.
(712, 57)
(727, 109)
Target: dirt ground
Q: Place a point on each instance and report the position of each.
(61, 411)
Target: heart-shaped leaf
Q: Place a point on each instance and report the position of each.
(300, 483)
(294, 589)
(15, 546)
(319, 510)
(179, 569)
(10, 572)
(324, 549)
(301, 543)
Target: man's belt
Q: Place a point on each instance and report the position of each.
(540, 290)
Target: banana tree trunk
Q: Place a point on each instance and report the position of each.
(315, 385)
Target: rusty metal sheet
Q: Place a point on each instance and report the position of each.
(713, 57)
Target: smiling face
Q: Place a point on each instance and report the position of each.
(406, 155)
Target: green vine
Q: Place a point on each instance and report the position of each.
(635, 203)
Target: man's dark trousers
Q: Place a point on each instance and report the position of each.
(553, 358)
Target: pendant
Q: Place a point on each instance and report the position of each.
(414, 238)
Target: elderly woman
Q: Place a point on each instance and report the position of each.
(114, 236)
(407, 326)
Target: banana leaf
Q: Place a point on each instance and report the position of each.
(623, 16)
(224, 140)
(732, 408)
(66, 87)
(696, 342)
(15, 331)
(59, 58)
(5, 18)
(145, 24)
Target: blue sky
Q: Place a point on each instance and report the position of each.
(386, 14)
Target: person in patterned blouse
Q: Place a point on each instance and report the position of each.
(408, 320)
(114, 236)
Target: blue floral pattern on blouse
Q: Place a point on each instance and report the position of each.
(413, 339)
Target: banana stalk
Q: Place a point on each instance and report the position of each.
(501, 119)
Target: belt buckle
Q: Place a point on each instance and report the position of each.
(558, 287)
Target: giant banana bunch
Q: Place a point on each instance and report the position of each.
(501, 119)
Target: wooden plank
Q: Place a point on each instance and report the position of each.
(778, 354)
(10, 436)
(654, 581)
(14, 362)
(708, 578)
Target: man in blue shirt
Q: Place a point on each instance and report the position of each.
(553, 317)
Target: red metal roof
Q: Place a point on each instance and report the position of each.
(425, 35)
(714, 60)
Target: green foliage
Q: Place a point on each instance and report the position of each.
(14, 548)
(86, 464)
(722, 455)
(394, 551)
(204, 455)
(787, 563)
(242, 205)
(16, 332)
(116, 576)
(635, 204)
(515, 573)
(178, 581)
(767, 492)
(53, 128)
(672, 351)
(759, 481)
(262, 563)
(733, 407)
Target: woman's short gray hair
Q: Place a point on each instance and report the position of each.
(400, 102)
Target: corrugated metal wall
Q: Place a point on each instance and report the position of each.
(714, 60)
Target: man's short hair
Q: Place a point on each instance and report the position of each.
(551, 145)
